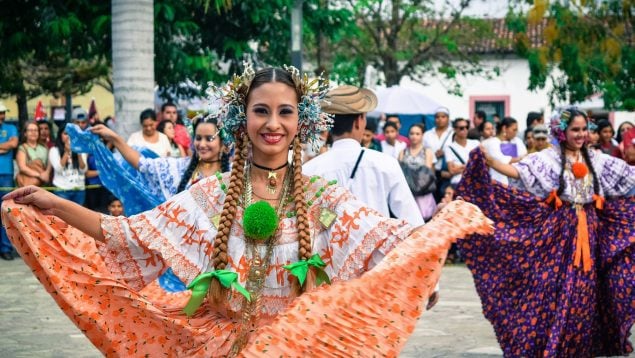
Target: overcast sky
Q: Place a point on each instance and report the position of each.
(482, 8)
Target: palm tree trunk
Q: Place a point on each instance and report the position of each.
(132, 61)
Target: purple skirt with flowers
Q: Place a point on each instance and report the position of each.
(539, 302)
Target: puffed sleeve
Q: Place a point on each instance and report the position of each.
(352, 238)
(175, 234)
(163, 173)
(617, 178)
(538, 174)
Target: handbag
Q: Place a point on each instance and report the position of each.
(421, 179)
(26, 180)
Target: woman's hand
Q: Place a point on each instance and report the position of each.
(432, 300)
(105, 132)
(36, 196)
(488, 158)
(44, 177)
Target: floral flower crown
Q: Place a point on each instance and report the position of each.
(560, 121)
(232, 97)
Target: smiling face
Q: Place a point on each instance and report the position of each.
(207, 142)
(272, 122)
(577, 133)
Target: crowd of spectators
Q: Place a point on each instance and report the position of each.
(443, 150)
(40, 154)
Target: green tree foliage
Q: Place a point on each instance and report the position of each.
(587, 49)
(63, 47)
(201, 41)
(55, 47)
(410, 38)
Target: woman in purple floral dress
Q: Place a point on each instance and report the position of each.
(558, 277)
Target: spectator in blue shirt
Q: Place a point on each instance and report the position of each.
(8, 142)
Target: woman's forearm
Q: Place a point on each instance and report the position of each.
(84, 219)
(505, 169)
(129, 154)
(64, 159)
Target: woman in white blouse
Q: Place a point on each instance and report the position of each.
(68, 168)
(505, 146)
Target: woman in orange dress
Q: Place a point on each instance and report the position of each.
(257, 247)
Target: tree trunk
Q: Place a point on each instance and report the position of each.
(323, 57)
(391, 71)
(132, 61)
(69, 107)
(23, 111)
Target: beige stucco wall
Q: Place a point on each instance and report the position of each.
(104, 101)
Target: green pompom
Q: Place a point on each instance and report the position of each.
(260, 220)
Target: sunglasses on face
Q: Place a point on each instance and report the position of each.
(460, 128)
(540, 131)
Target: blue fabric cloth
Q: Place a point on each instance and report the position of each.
(138, 190)
(7, 131)
(123, 180)
(6, 181)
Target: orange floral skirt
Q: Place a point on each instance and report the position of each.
(367, 316)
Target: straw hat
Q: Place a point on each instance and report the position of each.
(349, 100)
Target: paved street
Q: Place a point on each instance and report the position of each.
(31, 324)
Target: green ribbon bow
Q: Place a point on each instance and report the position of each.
(301, 268)
(200, 286)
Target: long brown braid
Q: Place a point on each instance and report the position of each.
(587, 159)
(234, 191)
(304, 234)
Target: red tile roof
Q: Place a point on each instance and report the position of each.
(503, 41)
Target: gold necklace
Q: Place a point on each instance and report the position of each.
(272, 176)
(258, 267)
(197, 175)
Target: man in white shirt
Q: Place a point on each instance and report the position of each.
(437, 139)
(373, 177)
(149, 137)
(457, 153)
